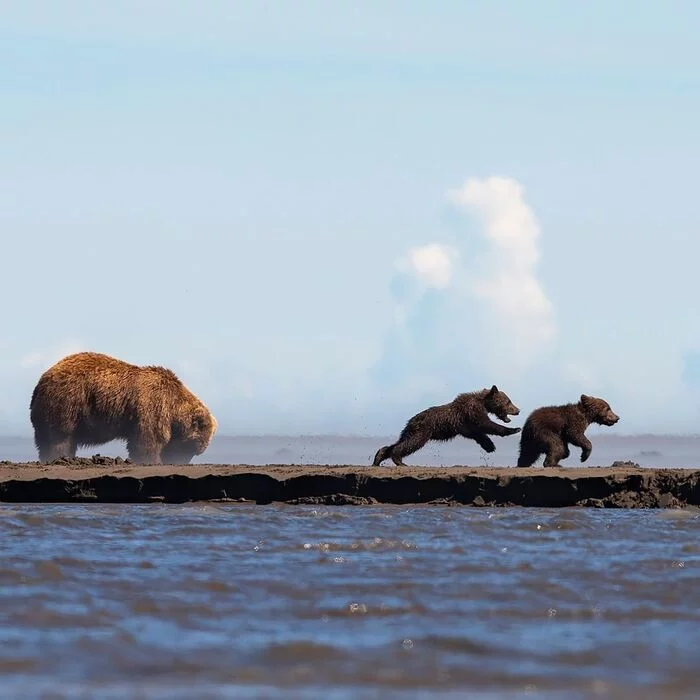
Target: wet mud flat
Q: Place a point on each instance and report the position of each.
(113, 480)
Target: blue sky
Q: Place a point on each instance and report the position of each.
(327, 216)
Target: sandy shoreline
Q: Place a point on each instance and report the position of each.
(107, 480)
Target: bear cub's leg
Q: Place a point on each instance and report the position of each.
(555, 449)
(530, 452)
(484, 441)
(491, 428)
(580, 440)
(407, 446)
(382, 454)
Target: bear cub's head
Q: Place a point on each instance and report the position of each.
(598, 410)
(498, 403)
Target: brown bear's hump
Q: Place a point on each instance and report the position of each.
(162, 371)
(162, 374)
(86, 361)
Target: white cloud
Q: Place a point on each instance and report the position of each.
(508, 221)
(505, 278)
(433, 264)
(468, 315)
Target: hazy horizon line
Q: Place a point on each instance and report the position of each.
(358, 436)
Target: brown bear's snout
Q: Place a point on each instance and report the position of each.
(612, 418)
(512, 410)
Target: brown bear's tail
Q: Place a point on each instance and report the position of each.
(382, 454)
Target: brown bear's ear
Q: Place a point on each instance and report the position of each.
(494, 389)
(585, 398)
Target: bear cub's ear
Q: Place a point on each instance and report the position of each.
(494, 389)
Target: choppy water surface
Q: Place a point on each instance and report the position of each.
(169, 601)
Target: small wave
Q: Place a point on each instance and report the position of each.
(305, 651)
(377, 544)
(686, 513)
(457, 644)
(369, 610)
(17, 665)
(49, 570)
(43, 617)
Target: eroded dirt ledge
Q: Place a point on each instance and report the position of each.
(107, 480)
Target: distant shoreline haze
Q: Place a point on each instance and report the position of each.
(647, 450)
(605, 433)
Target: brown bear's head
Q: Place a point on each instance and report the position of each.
(598, 410)
(498, 403)
(191, 438)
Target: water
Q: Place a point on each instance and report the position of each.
(223, 601)
(646, 450)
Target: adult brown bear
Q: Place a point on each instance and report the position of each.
(89, 399)
(467, 416)
(551, 429)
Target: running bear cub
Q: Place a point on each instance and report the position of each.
(551, 429)
(467, 416)
(89, 399)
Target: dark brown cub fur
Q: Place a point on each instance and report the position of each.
(551, 429)
(467, 416)
(89, 399)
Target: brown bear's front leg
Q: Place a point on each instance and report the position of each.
(141, 453)
(580, 440)
(489, 427)
(485, 442)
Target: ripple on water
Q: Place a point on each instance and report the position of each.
(376, 544)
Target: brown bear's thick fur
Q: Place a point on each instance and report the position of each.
(551, 429)
(89, 399)
(467, 416)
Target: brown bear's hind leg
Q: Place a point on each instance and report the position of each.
(529, 453)
(382, 454)
(555, 450)
(56, 448)
(407, 446)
